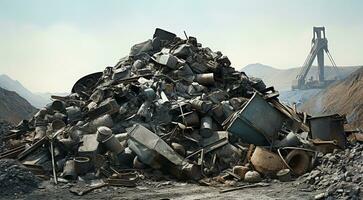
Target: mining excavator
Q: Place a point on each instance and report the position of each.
(319, 46)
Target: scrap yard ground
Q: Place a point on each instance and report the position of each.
(174, 190)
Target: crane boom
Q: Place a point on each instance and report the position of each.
(319, 46)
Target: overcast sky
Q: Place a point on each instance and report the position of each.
(47, 45)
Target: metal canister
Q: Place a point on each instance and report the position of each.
(205, 79)
(105, 136)
(206, 127)
(200, 105)
(284, 175)
(103, 133)
(57, 105)
(82, 165)
(113, 144)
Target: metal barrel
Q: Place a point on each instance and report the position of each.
(206, 127)
(82, 165)
(205, 79)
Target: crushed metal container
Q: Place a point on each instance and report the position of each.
(257, 122)
(328, 128)
(151, 141)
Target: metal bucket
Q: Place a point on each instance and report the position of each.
(330, 127)
(257, 123)
(82, 165)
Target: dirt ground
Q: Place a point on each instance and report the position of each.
(172, 190)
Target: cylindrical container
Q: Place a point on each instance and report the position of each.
(57, 124)
(191, 119)
(205, 79)
(200, 105)
(206, 127)
(291, 140)
(103, 133)
(82, 165)
(284, 175)
(57, 105)
(299, 161)
(113, 144)
(138, 64)
(69, 171)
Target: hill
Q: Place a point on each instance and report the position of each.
(36, 100)
(343, 97)
(14, 108)
(281, 79)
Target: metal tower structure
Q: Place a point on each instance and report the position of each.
(319, 46)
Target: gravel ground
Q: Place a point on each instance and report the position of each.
(15, 178)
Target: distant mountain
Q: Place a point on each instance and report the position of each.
(38, 100)
(343, 97)
(281, 79)
(14, 108)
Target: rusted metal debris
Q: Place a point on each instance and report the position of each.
(171, 105)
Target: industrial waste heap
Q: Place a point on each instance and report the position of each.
(173, 106)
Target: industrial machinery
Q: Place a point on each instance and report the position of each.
(319, 46)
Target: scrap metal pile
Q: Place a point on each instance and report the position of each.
(173, 106)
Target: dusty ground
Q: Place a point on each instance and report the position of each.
(172, 190)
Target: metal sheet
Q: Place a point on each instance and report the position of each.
(151, 141)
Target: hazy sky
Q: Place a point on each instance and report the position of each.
(47, 45)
